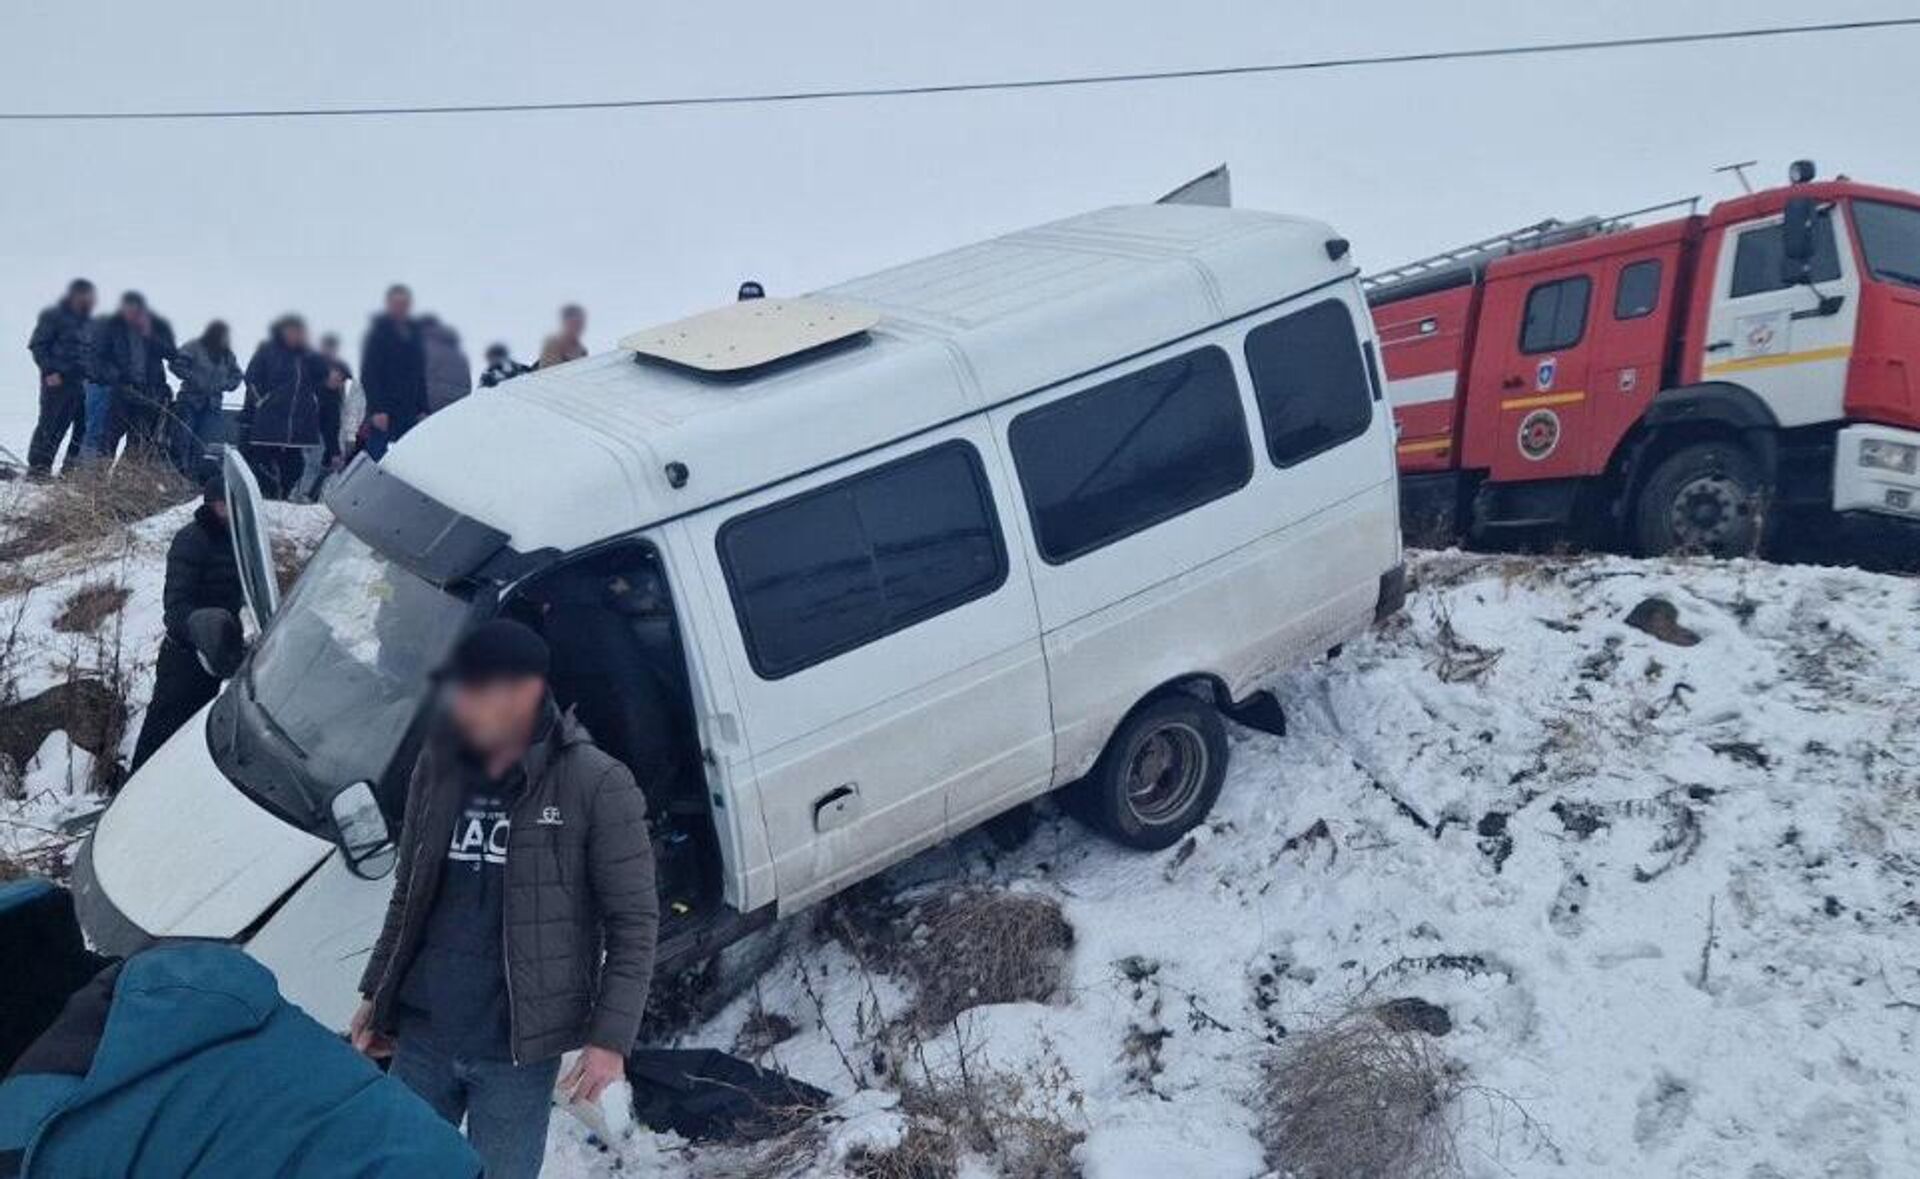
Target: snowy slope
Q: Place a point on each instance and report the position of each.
(1507, 803)
(1541, 849)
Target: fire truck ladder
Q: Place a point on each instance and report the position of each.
(1538, 236)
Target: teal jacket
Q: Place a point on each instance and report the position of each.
(185, 1061)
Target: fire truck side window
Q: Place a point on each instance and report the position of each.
(1310, 381)
(1556, 315)
(1637, 295)
(1757, 258)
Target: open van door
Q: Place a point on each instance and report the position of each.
(252, 551)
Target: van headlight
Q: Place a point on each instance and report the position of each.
(1889, 456)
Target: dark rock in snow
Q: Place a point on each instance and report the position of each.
(1415, 1015)
(1661, 619)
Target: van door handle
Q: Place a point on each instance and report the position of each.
(836, 808)
(1719, 345)
(1512, 383)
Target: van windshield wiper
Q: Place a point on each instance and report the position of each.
(1900, 276)
(266, 715)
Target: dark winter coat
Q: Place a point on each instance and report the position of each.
(201, 574)
(393, 370)
(59, 343)
(112, 361)
(285, 394)
(186, 1060)
(205, 376)
(579, 881)
(449, 375)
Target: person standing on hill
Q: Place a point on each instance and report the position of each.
(282, 421)
(567, 343)
(393, 372)
(208, 371)
(129, 357)
(59, 347)
(201, 574)
(333, 402)
(449, 374)
(523, 917)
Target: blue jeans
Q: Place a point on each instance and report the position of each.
(99, 417)
(507, 1106)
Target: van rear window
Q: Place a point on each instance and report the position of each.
(842, 565)
(1310, 381)
(1112, 460)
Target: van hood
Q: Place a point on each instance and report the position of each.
(181, 852)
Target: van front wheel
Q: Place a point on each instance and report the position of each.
(1160, 773)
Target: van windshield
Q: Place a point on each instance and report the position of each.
(342, 670)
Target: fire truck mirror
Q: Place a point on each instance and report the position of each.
(1796, 241)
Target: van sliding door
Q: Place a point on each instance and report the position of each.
(885, 646)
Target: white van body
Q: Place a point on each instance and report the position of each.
(984, 368)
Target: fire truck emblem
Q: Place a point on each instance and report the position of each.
(1539, 434)
(1543, 376)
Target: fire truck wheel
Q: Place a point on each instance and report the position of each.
(1159, 775)
(1702, 499)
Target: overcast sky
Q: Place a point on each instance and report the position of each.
(648, 215)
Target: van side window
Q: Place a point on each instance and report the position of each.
(1556, 315)
(842, 565)
(1637, 294)
(1112, 460)
(1759, 254)
(1310, 381)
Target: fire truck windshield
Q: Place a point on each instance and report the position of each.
(1890, 238)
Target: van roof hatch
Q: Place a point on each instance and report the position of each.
(739, 337)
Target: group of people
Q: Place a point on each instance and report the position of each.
(104, 382)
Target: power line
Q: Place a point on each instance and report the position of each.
(1054, 83)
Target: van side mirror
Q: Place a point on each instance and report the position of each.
(361, 831)
(217, 640)
(1797, 241)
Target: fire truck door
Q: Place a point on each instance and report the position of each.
(1633, 315)
(1539, 341)
(1787, 344)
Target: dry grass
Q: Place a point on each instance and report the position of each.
(976, 948)
(929, 1151)
(88, 507)
(88, 607)
(1359, 1100)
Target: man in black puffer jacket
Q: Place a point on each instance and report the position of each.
(393, 373)
(201, 574)
(59, 347)
(129, 358)
(284, 418)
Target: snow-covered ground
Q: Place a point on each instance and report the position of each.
(1666, 894)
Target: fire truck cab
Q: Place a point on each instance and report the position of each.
(1679, 385)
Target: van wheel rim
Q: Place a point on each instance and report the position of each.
(1165, 773)
(1707, 511)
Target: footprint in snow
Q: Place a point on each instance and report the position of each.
(1568, 915)
(1664, 1107)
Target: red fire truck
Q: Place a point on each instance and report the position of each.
(1682, 385)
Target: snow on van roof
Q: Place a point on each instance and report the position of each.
(580, 452)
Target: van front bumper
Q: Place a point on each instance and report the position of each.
(1877, 469)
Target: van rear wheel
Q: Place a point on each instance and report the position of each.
(1159, 775)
